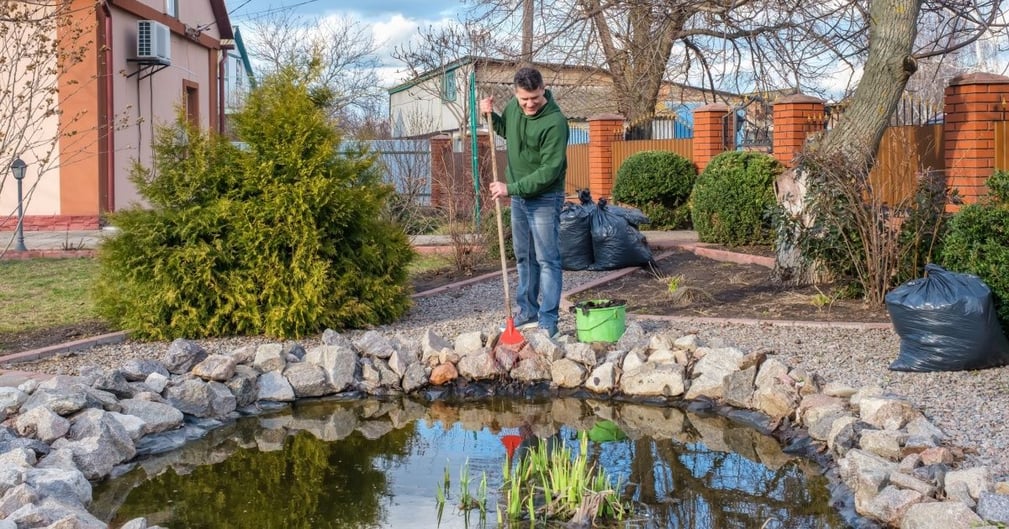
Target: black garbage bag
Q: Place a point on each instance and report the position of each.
(634, 216)
(946, 322)
(615, 243)
(576, 233)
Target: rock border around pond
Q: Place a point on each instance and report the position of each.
(59, 435)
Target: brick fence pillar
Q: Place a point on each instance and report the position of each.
(604, 129)
(714, 133)
(973, 103)
(795, 118)
(441, 168)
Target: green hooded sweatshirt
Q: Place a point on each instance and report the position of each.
(537, 148)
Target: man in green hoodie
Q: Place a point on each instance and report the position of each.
(536, 133)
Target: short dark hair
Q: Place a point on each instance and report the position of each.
(528, 79)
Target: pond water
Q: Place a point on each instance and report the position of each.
(378, 464)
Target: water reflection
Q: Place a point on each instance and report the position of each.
(377, 464)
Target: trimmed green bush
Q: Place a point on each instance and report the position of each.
(978, 242)
(659, 184)
(733, 199)
(282, 238)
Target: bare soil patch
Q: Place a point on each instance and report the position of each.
(685, 284)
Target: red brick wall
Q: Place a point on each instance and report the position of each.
(52, 222)
(604, 129)
(795, 118)
(714, 133)
(973, 103)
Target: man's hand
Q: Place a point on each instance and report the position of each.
(498, 190)
(486, 105)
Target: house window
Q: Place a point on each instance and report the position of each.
(448, 85)
(191, 100)
(172, 8)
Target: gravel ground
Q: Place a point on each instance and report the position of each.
(972, 407)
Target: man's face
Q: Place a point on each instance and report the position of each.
(531, 101)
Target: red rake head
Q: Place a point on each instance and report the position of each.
(511, 335)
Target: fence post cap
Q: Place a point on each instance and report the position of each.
(798, 98)
(713, 107)
(607, 117)
(978, 78)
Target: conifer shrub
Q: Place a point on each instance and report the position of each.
(659, 184)
(977, 242)
(283, 237)
(733, 199)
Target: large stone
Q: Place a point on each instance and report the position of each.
(112, 381)
(906, 481)
(339, 363)
(993, 507)
(884, 443)
(138, 369)
(274, 387)
(222, 400)
(414, 378)
(479, 366)
(634, 336)
(977, 480)
(11, 400)
(64, 402)
(215, 367)
(737, 388)
(156, 382)
(270, 357)
(940, 515)
(98, 443)
(182, 355)
(544, 346)
(60, 483)
(664, 380)
(844, 431)
(400, 360)
(602, 379)
(307, 379)
(890, 504)
(634, 359)
(866, 474)
(192, 396)
(433, 346)
(531, 370)
(816, 406)
(567, 373)
(374, 343)
(776, 393)
(157, 417)
(244, 385)
(582, 353)
(469, 343)
(710, 371)
(887, 413)
(331, 337)
(41, 423)
(444, 374)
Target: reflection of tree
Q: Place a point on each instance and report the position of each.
(310, 484)
(724, 490)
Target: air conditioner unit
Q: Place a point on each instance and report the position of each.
(154, 41)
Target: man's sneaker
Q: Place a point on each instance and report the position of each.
(551, 331)
(521, 324)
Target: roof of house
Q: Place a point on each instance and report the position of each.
(578, 100)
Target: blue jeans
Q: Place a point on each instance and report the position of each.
(536, 239)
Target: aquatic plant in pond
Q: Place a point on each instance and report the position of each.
(555, 484)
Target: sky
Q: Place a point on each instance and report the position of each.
(392, 22)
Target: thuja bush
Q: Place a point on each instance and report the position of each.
(733, 199)
(281, 238)
(659, 184)
(866, 245)
(978, 242)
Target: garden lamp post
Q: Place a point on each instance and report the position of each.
(18, 167)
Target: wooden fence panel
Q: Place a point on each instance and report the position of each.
(1002, 145)
(624, 149)
(904, 154)
(578, 169)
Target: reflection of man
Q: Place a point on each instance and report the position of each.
(536, 133)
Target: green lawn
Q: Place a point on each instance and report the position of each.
(39, 293)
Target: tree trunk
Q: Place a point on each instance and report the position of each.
(527, 31)
(856, 137)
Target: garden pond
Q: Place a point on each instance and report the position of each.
(333, 464)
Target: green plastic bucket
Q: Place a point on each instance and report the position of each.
(600, 320)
